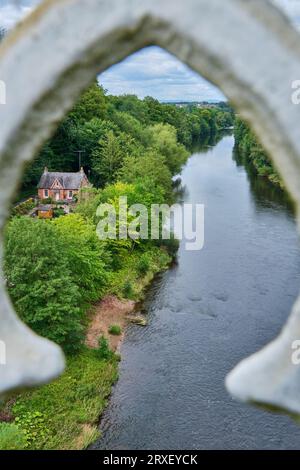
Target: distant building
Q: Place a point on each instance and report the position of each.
(61, 186)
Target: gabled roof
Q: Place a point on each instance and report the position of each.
(66, 180)
(57, 183)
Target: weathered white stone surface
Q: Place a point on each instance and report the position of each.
(246, 47)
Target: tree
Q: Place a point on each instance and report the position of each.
(92, 104)
(130, 125)
(40, 281)
(151, 166)
(141, 192)
(163, 139)
(87, 136)
(132, 105)
(108, 157)
(85, 255)
(88, 202)
(251, 151)
(34, 170)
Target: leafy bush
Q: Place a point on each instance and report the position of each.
(103, 351)
(85, 255)
(115, 330)
(128, 290)
(11, 437)
(143, 265)
(33, 426)
(58, 212)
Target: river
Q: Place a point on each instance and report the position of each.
(209, 311)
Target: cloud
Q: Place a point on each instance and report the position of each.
(153, 71)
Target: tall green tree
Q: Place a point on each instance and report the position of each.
(108, 157)
(40, 281)
(151, 166)
(85, 255)
(163, 140)
(91, 105)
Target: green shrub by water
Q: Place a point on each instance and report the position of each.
(143, 264)
(115, 330)
(128, 291)
(103, 351)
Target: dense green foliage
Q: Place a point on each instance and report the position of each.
(108, 129)
(85, 254)
(11, 437)
(40, 282)
(251, 151)
(57, 269)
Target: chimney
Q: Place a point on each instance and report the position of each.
(45, 170)
(81, 170)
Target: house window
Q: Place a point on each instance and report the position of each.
(70, 194)
(46, 193)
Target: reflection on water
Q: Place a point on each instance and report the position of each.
(209, 311)
(264, 193)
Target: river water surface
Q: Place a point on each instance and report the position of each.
(208, 312)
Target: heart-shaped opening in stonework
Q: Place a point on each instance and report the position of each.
(248, 49)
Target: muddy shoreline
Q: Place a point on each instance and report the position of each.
(112, 311)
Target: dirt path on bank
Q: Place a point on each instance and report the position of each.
(109, 311)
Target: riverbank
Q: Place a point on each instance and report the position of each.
(64, 414)
(250, 151)
(110, 311)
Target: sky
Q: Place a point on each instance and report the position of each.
(151, 71)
